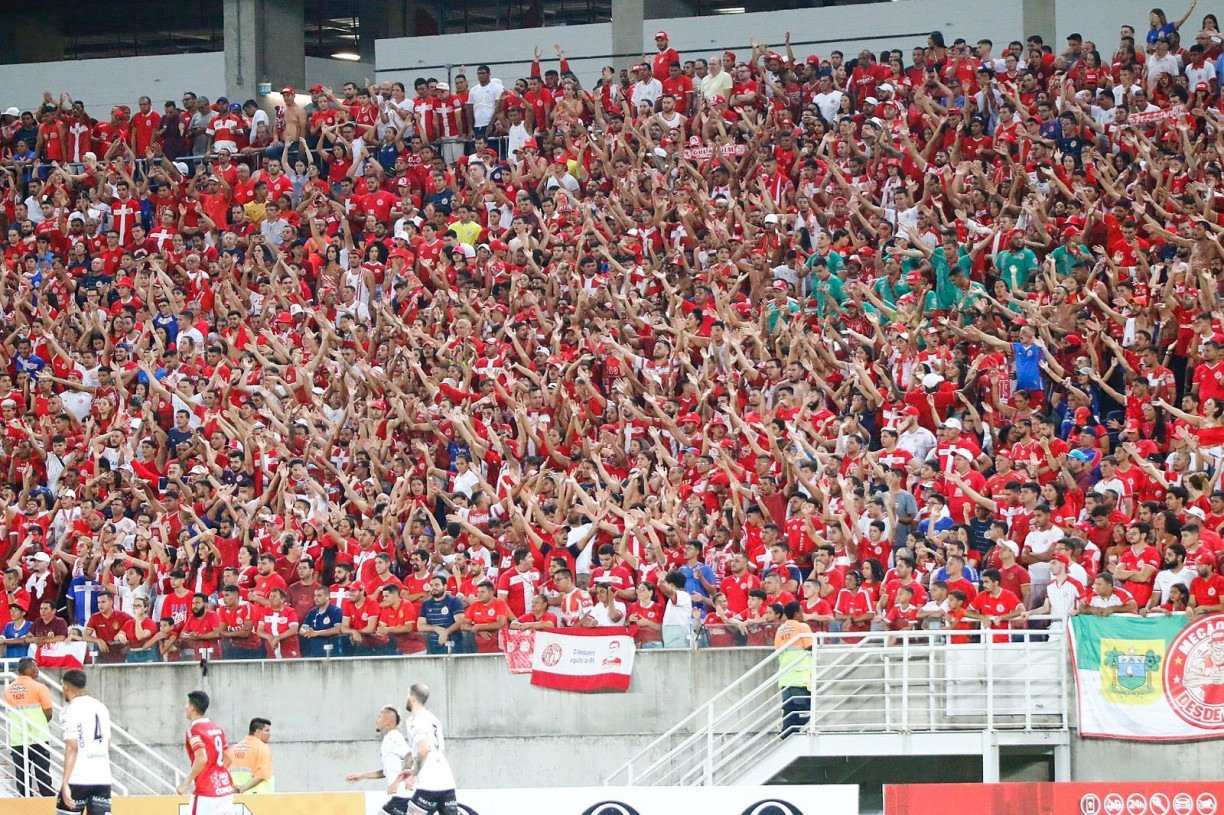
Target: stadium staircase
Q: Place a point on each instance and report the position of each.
(886, 694)
(138, 769)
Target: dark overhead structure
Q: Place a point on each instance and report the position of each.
(52, 30)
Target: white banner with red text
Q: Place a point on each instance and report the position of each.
(586, 660)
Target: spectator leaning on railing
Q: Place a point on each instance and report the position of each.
(924, 339)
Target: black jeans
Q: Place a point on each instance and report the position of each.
(37, 760)
(796, 706)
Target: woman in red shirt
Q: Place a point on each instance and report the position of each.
(646, 618)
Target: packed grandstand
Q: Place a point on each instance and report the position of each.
(923, 339)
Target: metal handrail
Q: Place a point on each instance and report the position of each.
(714, 744)
(151, 773)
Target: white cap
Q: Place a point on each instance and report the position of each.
(42, 557)
(442, 86)
(182, 167)
(12, 112)
(1015, 550)
(871, 100)
(771, 218)
(931, 380)
(954, 422)
(966, 454)
(885, 87)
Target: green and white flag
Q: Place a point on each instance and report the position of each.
(1149, 678)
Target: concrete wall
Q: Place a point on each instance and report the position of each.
(104, 83)
(335, 72)
(501, 730)
(1109, 760)
(814, 31)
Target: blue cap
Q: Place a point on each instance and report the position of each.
(1081, 455)
(235, 108)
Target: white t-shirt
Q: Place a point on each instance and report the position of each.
(392, 752)
(435, 774)
(483, 99)
(1063, 599)
(679, 609)
(602, 617)
(86, 721)
(1039, 543)
(1166, 579)
(828, 104)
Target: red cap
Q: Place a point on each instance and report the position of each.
(729, 56)
(289, 90)
(780, 285)
(718, 99)
(813, 59)
(316, 88)
(910, 410)
(1083, 415)
(690, 418)
(126, 281)
(1205, 555)
(661, 35)
(498, 246)
(1063, 558)
(284, 318)
(1073, 339)
(1202, 87)
(531, 144)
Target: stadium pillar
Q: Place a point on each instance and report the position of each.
(265, 41)
(628, 17)
(1038, 17)
(990, 758)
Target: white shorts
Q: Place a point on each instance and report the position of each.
(206, 805)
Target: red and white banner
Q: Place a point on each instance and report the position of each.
(583, 659)
(1097, 798)
(62, 655)
(518, 648)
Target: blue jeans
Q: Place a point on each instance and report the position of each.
(149, 655)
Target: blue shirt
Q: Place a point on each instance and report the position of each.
(11, 631)
(442, 612)
(1028, 366)
(168, 322)
(83, 592)
(317, 620)
(968, 572)
(693, 586)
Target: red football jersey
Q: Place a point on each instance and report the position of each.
(214, 781)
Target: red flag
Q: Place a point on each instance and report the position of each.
(62, 655)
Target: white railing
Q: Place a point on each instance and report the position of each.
(862, 683)
(137, 768)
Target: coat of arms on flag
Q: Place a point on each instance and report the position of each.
(1130, 670)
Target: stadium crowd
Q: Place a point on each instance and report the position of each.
(929, 338)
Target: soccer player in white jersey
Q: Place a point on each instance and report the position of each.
(435, 783)
(393, 753)
(87, 733)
